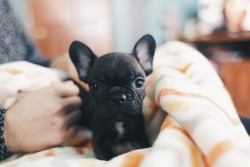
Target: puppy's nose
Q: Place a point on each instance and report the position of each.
(118, 98)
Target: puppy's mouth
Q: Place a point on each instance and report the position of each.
(119, 117)
(119, 113)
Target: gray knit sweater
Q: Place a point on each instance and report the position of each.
(14, 46)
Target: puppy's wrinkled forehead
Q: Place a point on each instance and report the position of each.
(116, 66)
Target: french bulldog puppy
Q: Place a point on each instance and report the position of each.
(117, 89)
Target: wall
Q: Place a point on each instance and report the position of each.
(21, 9)
(161, 18)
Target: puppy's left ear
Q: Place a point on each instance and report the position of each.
(144, 51)
(83, 58)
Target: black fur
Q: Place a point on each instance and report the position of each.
(117, 90)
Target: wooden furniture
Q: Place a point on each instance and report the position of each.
(235, 74)
(56, 23)
(211, 45)
(223, 38)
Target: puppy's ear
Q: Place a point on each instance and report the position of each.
(83, 59)
(144, 51)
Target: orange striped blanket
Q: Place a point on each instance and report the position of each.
(202, 127)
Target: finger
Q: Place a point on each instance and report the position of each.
(72, 103)
(66, 89)
(73, 117)
(72, 130)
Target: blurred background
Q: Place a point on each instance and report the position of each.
(217, 28)
(105, 25)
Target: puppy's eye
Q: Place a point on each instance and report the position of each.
(139, 83)
(94, 86)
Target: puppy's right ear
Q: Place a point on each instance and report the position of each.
(83, 59)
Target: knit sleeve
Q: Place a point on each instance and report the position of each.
(15, 44)
(4, 152)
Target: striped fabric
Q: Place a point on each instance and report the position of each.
(202, 128)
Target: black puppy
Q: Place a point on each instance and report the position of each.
(117, 90)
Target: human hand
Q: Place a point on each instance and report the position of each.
(42, 119)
